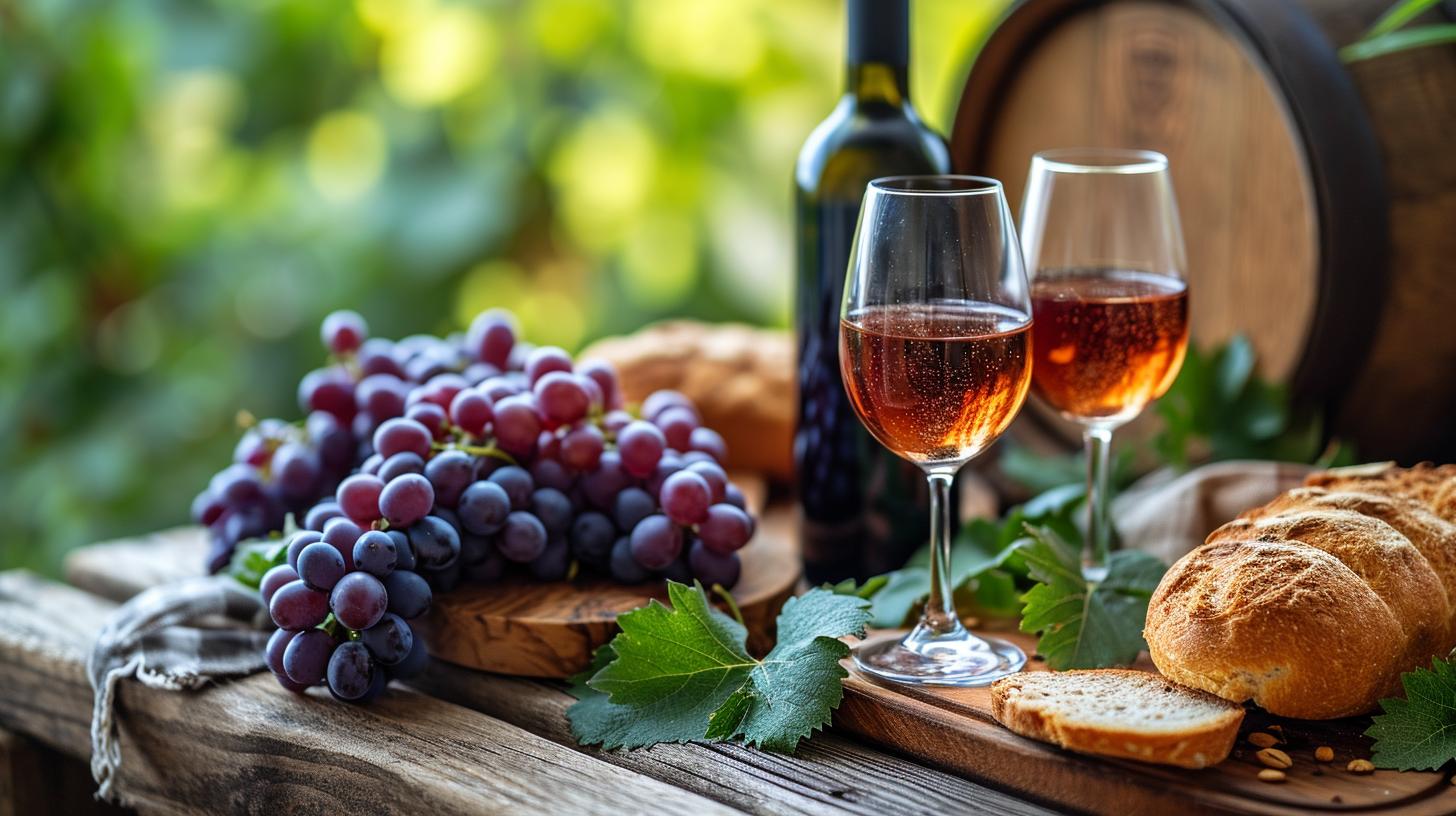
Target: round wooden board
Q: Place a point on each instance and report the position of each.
(525, 627)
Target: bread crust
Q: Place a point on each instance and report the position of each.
(1198, 746)
(1428, 484)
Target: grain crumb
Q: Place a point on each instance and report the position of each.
(1274, 758)
(1278, 732)
(1263, 740)
(1324, 753)
(1271, 775)
(1360, 766)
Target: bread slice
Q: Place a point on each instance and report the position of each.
(1117, 713)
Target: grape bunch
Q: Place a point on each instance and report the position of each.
(428, 461)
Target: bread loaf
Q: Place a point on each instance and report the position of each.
(1314, 604)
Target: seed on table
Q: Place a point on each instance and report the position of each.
(1263, 740)
(1271, 775)
(1274, 758)
(1324, 753)
(1361, 766)
(1278, 731)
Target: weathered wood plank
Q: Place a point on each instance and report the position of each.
(250, 747)
(40, 781)
(830, 774)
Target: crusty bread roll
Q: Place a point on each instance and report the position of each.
(1314, 604)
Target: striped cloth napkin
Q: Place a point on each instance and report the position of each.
(176, 636)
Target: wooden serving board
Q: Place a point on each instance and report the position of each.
(525, 627)
(953, 728)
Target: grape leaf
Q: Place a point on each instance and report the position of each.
(792, 691)
(1419, 732)
(672, 672)
(1086, 627)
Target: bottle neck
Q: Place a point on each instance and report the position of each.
(878, 83)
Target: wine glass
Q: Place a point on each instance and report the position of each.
(1100, 233)
(934, 348)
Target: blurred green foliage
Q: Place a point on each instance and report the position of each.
(188, 186)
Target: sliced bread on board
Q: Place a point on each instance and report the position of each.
(1117, 713)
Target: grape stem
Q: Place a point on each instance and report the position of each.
(477, 450)
(732, 604)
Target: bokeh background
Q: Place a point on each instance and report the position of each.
(188, 186)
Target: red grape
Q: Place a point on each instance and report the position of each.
(602, 484)
(659, 401)
(491, 338)
(306, 660)
(561, 398)
(712, 567)
(341, 534)
(450, 472)
(677, 425)
(726, 529)
(604, 374)
(616, 420)
(640, 445)
(406, 500)
(710, 442)
(274, 579)
(582, 447)
(544, 360)
(358, 600)
(432, 416)
(517, 424)
(277, 647)
(715, 477)
(685, 497)
(656, 542)
(298, 541)
(343, 331)
(296, 607)
(382, 396)
(471, 411)
(328, 389)
(522, 538)
(400, 464)
(358, 497)
(399, 435)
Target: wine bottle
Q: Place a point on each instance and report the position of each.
(863, 509)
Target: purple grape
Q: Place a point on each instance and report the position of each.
(406, 500)
(358, 496)
(544, 360)
(592, 536)
(483, 507)
(608, 479)
(561, 398)
(680, 570)
(333, 440)
(659, 401)
(498, 388)
(296, 688)
(358, 600)
(376, 356)
(449, 473)
(277, 647)
(520, 352)
(474, 548)
(253, 448)
(712, 567)
(389, 641)
(550, 473)
(404, 554)
(351, 671)
(206, 508)
(623, 567)
(666, 466)
(409, 594)
(517, 424)
(488, 570)
(343, 331)
(449, 517)
(677, 425)
(432, 416)
(296, 607)
(274, 579)
(640, 445)
(631, 506)
(596, 400)
(441, 389)
(604, 374)
(554, 562)
(330, 390)
(236, 484)
(732, 495)
(656, 542)
(342, 533)
(714, 475)
(298, 541)
(320, 566)
(444, 579)
(582, 447)
(402, 434)
(321, 514)
(693, 457)
(490, 339)
(372, 465)
(685, 497)
(435, 543)
(471, 412)
(517, 483)
(522, 538)
(306, 659)
(375, 553)
(381, 396)
(413, 663)
(400, 464)
(553, 509)
(710, 442)
(616, 420)
(726, 529)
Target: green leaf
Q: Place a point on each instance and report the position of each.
(896, 604)
(1399, 41)
(680, 674)
(255, 557)
(1233, 367)
(1419, 732)
(794, 690)
(867, 590)
(1082, 626)
(1397, 16)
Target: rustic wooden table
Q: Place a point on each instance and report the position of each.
(452, 741)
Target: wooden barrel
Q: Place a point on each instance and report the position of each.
(1318, 203)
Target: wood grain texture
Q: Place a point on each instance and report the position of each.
(954, 728)
(251, 747)
(40, 781)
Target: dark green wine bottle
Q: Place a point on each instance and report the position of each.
(864, 510)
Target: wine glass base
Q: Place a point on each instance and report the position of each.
(956, 658)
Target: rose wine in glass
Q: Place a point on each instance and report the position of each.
(1100, 231)
(935, 350)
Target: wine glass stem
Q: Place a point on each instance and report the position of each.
(1099, 516)
(940, 615)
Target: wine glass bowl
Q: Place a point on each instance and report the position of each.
(935, 351)
(1104, 250)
